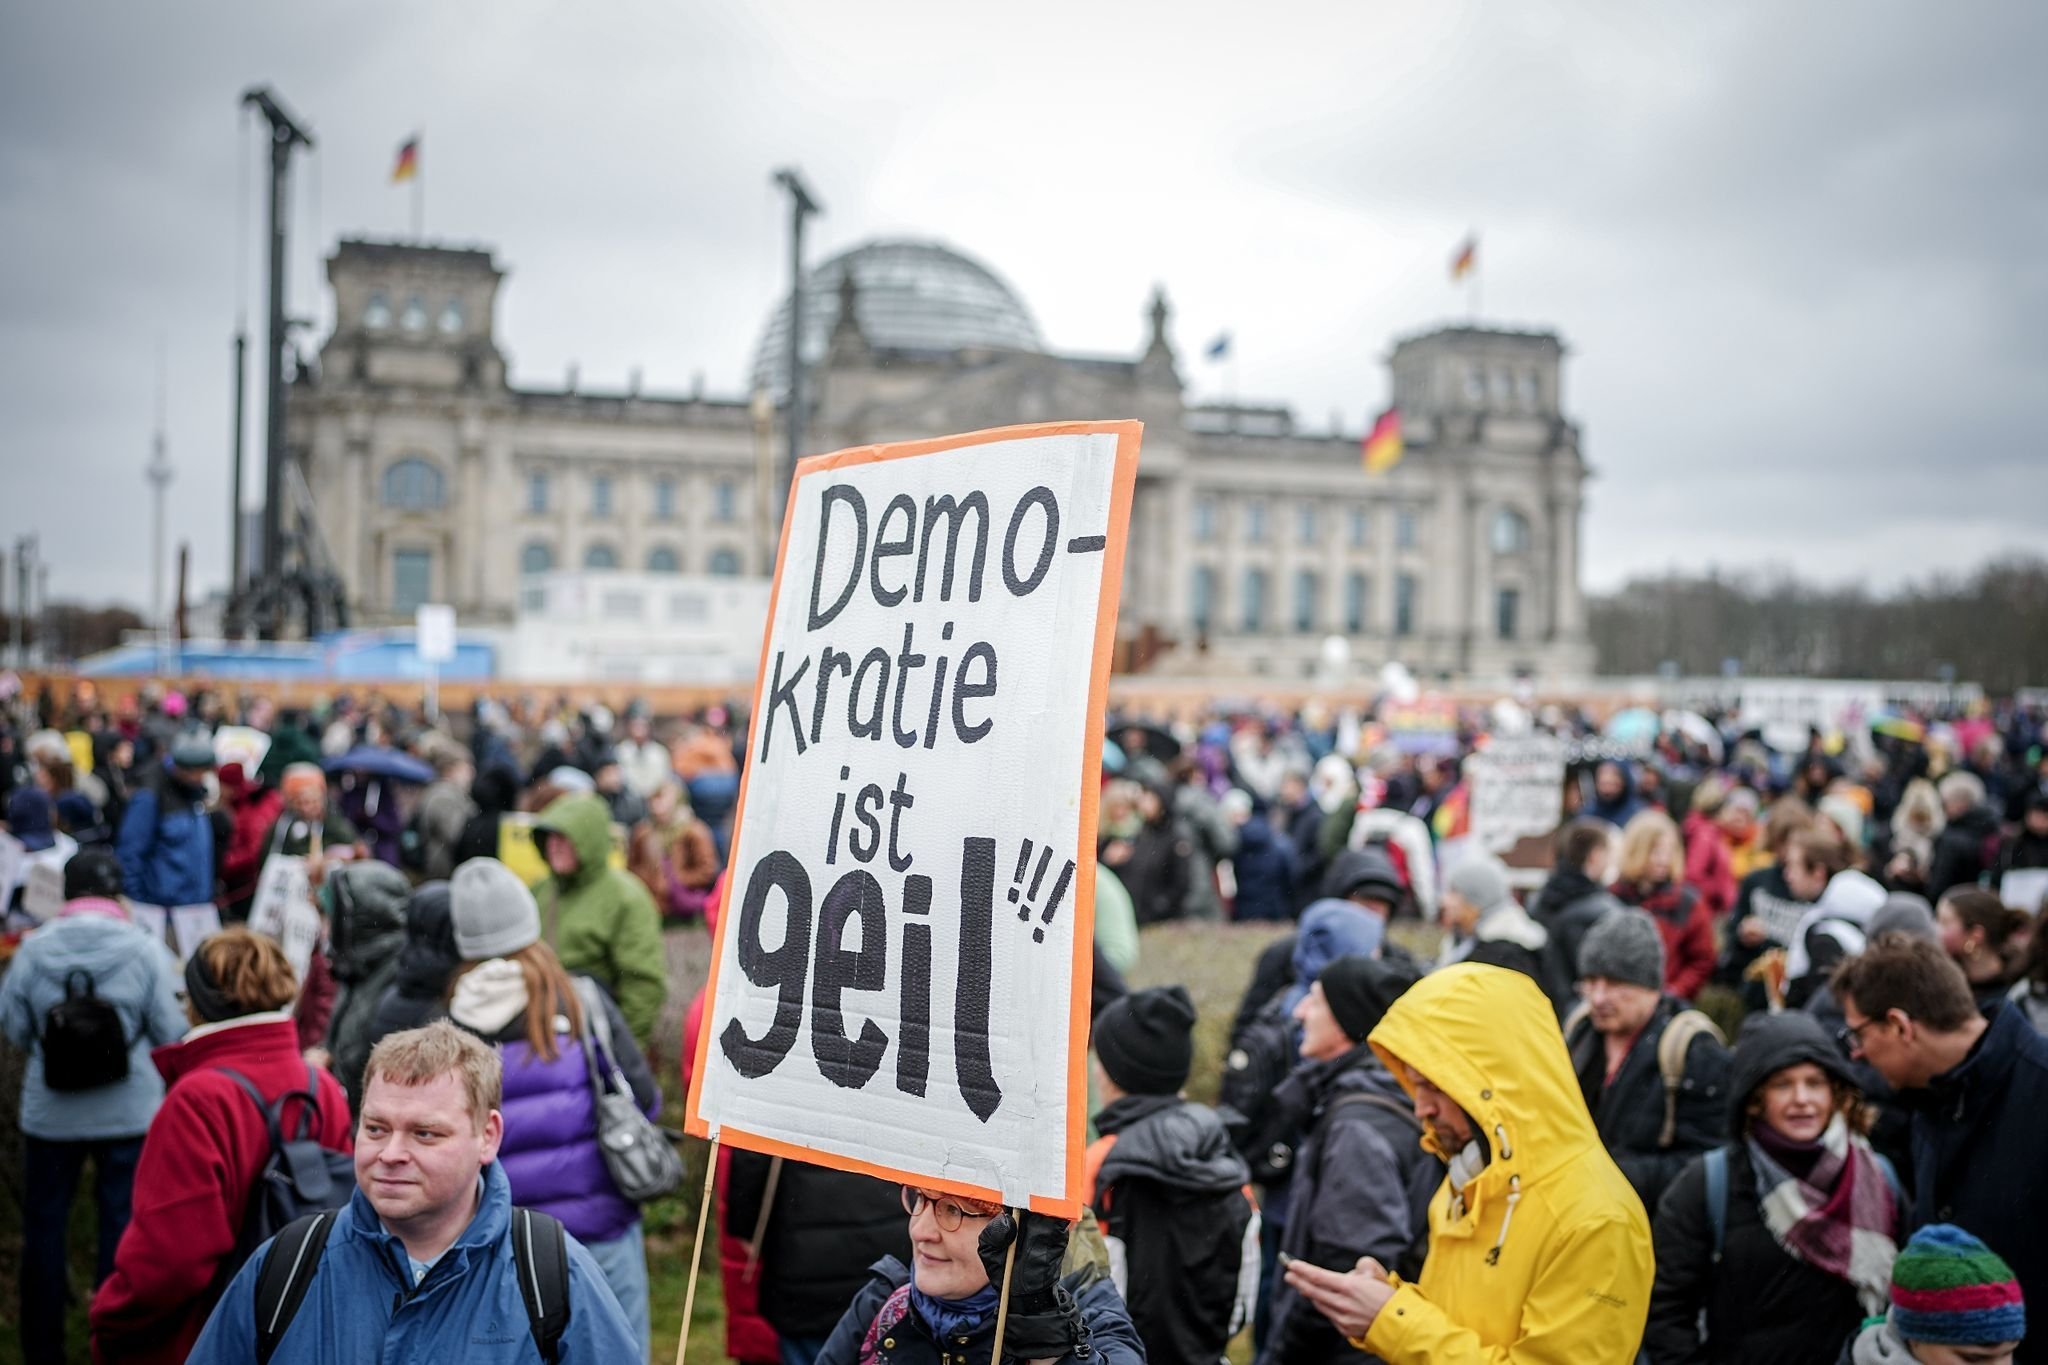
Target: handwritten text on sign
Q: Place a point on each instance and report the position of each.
(920, 755)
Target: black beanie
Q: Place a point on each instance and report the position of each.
(92, 872)
(1145, 1040)
(1360, 989)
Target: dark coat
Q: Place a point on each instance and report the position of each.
(1265, 867)
(1963, 851)
(826, 1228)
(1978, 1134)
(1156, 872)
(1171, 1189)
(1763, 1307)
(1362, 1186)
(1568, 906)
(1629, 1112)
(1112, 1338)
(418, 994)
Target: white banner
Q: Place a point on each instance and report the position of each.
(283, 908)
(1517, 789)
(901, 980)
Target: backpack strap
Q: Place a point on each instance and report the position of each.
(1672, 1046)
(288, 1270)
(540, 1252)
(1402, 1111)
(1717, 1197)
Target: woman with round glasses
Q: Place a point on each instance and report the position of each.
(942, 1308)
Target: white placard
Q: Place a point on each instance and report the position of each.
(2025, 888)
(42, 890)
(1517, 789)
(192, 925)
(434, 632)
(243, 744)
(900, 981)
(283, 908)
(12, 860)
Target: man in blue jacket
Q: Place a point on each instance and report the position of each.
(166, 840)
(1978, 1089)
(420, 1264)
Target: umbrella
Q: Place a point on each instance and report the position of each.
(1898, 727)
(374, 761)
(1112, 756)
(1696, 728)
(1636, 727)
(1155, 741)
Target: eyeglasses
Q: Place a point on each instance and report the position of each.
(948, 1214)
(1850, 1036)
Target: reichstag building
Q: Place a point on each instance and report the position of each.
(1253, 541)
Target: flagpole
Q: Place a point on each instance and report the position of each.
(419, 203)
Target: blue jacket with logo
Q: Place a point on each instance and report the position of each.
(363, 1306)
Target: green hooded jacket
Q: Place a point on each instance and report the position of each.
(600, 919)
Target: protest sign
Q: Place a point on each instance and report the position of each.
(243, 744)
(13, 861)
(1425, 725)
(42, 890)
(2025, 889)
(192, 925)
(283, 908)
(900, 984)
(1517, 789)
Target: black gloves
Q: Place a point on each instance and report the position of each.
(1044, 1321)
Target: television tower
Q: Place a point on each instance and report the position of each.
(159, 475)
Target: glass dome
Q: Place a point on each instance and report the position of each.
(909, 296)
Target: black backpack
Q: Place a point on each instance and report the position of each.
(84, 1045)
(297, 1178)
(1261, 1056)
(540, 1256)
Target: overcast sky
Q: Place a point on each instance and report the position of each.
(1797, 251)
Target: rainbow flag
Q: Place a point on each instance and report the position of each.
(1382, 447)
(1466, 258)
(408, 160)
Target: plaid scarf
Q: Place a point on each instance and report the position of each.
(1840, 1217)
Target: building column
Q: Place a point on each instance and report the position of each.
(466, 553)
(1569, 610)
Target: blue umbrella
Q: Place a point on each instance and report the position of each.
(1636, 727)
(374, 761)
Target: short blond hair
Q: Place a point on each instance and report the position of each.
(418, 1055)
(1640, 839)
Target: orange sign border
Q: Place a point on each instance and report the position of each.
(1123, 483)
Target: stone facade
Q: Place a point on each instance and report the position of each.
(1252, 542)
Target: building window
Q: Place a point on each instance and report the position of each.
(1404, 527)
(1475, 383)
(725, 564)
(661, 559)
(600, 495)
(1357, 592)
(451, 317)
(1507, 612)
(1510, 532)
(725, 501)
(536, 493)
(1503, 386)
(1254, 601)
(1203, 594)
(600, 556)
(1532, 390)
(377, 312)
(664, 499)
(1205, 520)
(414, 319)
(536, 558)
(1360, 529)
(412, 579)
(1255, 521)
(623, 604)
(1406, 590)
(1305, 527)
(1307, 589)
(413, 485)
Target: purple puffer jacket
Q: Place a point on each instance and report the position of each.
(550, 1151)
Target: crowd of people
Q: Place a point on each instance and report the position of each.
(1468, 1112)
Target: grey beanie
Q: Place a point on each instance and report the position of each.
(491, 909)
(1903, 913)
(1624, 946)
(1482, 880)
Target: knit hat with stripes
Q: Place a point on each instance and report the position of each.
(1949, 1289)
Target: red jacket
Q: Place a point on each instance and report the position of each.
(242, 864)
(1686, 928)
(199, 1161)
(1709, 869)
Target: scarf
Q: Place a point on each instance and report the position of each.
(1839, 1217)
(943, 1318)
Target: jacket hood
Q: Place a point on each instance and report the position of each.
(1331, 929)
(1769, 1043)
(367, 924)
(1164, 1138)
(586, 822)
(1488, 1038)
(429, 956)
(1510, 923)
(88, 942)
(1355, 868)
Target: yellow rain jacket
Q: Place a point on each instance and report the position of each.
(1549, 1258)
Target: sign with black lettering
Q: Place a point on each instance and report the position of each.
(900, 984)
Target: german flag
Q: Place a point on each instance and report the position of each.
(1382, 448)
(408, 160)
(1466, 258)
